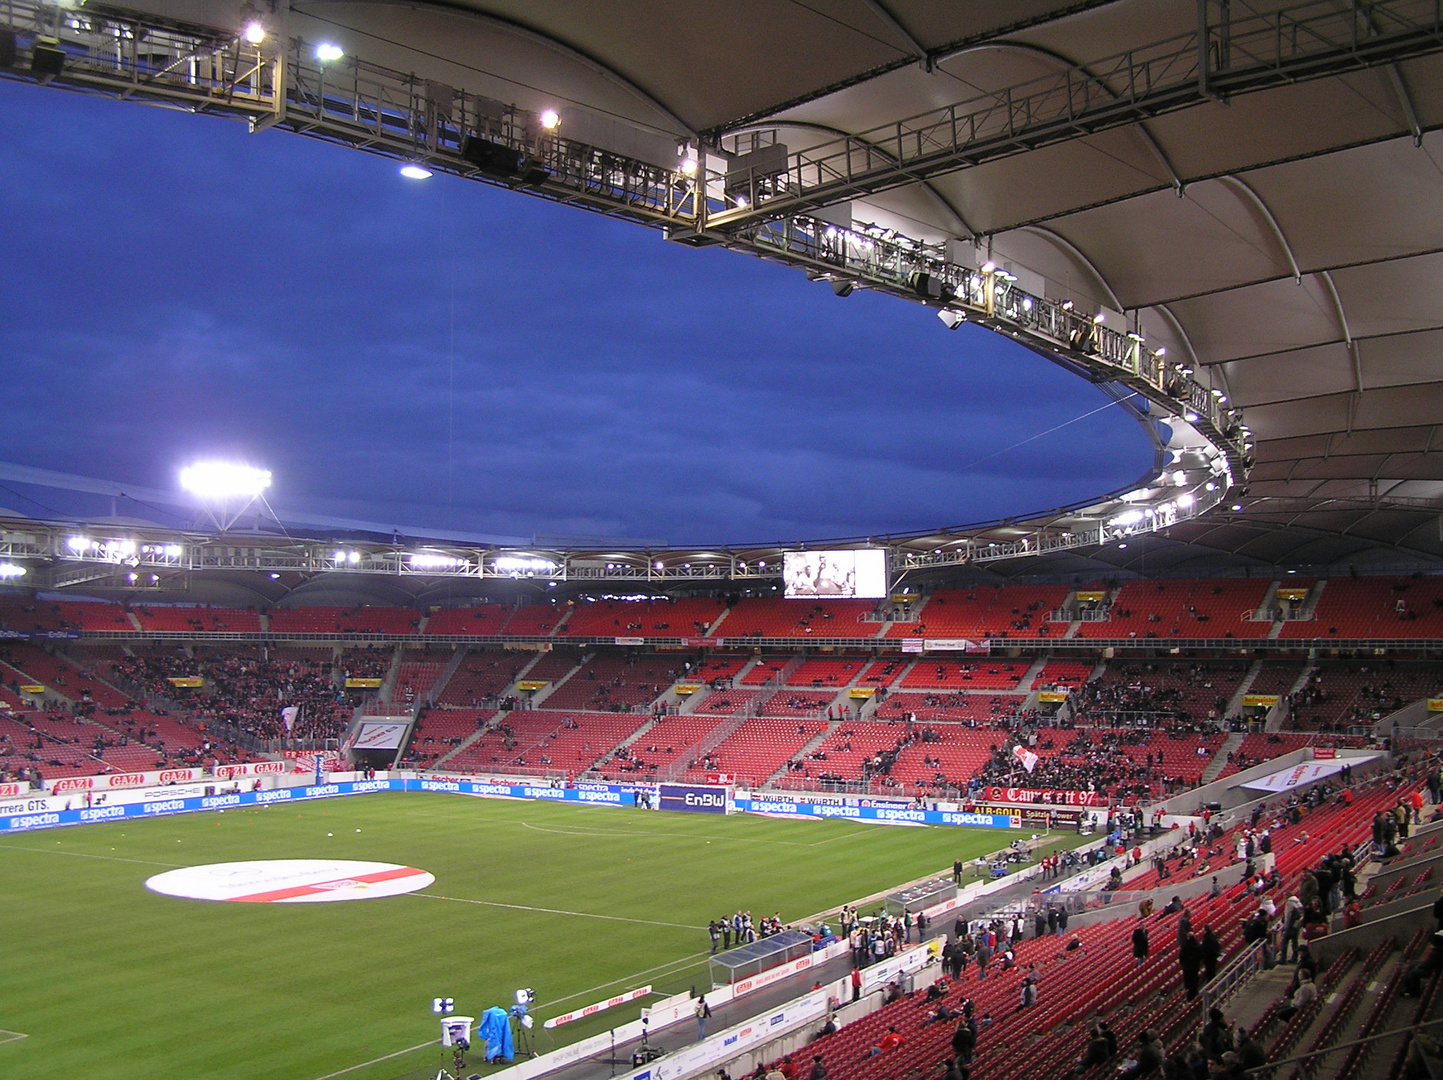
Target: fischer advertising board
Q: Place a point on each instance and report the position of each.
(695, 799)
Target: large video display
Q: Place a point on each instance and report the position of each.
(860, 574)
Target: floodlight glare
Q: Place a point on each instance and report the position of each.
(688, 166)
(224, 480)
(254, 32)
(413, 171)
(11, 570)
(550, 119)
(326, 52)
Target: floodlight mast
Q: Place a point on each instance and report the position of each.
(226, 490)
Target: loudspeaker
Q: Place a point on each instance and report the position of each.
(7, 47)
(491, 157)
(46, 61)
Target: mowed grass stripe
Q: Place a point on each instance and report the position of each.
(171, 987)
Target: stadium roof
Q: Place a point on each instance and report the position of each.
(1272, 217)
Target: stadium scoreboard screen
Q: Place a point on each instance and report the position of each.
(859, 574)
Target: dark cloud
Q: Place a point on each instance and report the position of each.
(453, 356)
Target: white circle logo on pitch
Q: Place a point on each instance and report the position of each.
(290, 881)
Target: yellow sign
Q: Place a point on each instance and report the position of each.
(533, 684)
(686, 689)
(1435, 704)
(1052, 697)
(31, 688)
(356, 683)
(1292, 594)
(1092, 595)
(1259, 701)
(861, 691)
(186, 681)
(904, 597)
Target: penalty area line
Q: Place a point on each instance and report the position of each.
(11, 1036)
(377, 1061)
(556, 911)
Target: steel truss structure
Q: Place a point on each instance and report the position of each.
(770, 205)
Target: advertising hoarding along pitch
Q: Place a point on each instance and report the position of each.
(693, 798)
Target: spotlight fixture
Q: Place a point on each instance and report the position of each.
(952, 319)
(327, 52)
(550, 119)
(254, 32)
(414, 171)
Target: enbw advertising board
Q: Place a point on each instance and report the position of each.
(698, 800)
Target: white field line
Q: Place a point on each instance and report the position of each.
(87, 855)
(377, 1061)
(10, 1036)
(557, 911)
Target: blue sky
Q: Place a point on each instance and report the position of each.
(443, 354)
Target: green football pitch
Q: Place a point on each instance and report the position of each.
(105, 979)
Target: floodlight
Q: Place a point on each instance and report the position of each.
(413, 171)
(742, 203)
(326, 52)
(10, 570)
(510, 563)
(688, 166)
(1190, 417)
(254, 32)
(951, 319)
(428, 560)
(1161, 352)
(1099, 318)
(224, 480)
(1184, 499)
(989, 267)
(550, 119)
(1237, 506)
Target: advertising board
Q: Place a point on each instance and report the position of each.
(693, 798)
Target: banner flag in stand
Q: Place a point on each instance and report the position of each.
(1026, 757)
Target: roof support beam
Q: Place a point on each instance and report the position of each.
(1239, 184)
(1066, 63)
(891, 23)
(547, 41)
(1061, 242)
(1066, 107)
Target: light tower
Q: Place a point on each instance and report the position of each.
(226, 490)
